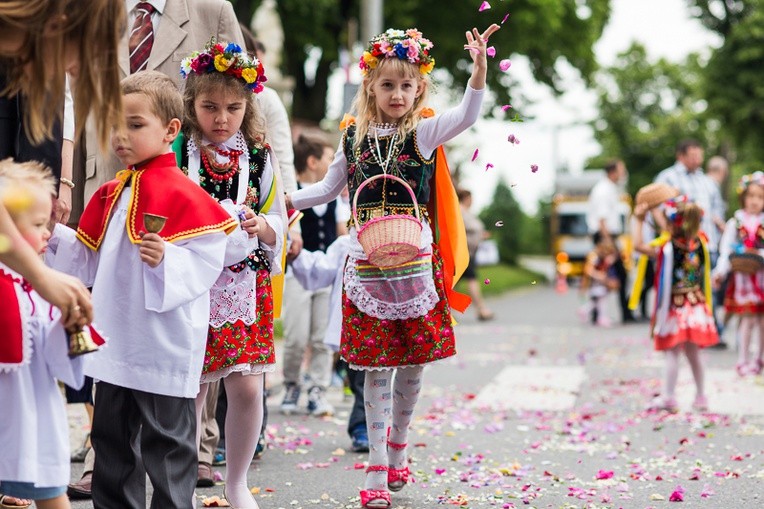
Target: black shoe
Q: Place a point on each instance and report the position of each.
(82, 489)
(205, 477)
(629, 319)
(261, 446)
(721, 345)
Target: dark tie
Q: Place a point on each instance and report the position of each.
(141, 37)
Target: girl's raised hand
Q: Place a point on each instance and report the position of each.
(477, 45)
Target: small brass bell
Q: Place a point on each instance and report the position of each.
(80, 343)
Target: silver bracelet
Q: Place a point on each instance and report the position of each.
(67, 182)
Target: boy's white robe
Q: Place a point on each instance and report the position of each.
(155, 318)
(35, 431)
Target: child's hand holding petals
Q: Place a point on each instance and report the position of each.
(251, 223)
(477, 43)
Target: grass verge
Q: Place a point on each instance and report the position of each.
(503, 278)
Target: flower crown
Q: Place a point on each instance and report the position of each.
(674, 209)
(229, 60)
(404, 45)
(756, 177)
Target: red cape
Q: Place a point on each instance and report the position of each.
(158, 187)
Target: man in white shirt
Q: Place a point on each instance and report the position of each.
(603, 219)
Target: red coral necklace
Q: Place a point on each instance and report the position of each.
(221, 172)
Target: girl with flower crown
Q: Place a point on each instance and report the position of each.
(682, 321)
(744, 237)
(223, 151)
(396, 309)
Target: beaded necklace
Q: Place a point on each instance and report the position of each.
(377, 152)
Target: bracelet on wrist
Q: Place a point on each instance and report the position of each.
(67, 182)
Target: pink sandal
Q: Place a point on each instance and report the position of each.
(375, 499)
(397, 478)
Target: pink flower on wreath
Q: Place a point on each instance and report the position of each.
(386, 48)
(413, 33)
(413, 51)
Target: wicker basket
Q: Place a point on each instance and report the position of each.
(389, 240)
(654, 194)
(747, 263)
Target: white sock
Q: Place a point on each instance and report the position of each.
(242, 430)
(692, 352)
(672, 372)
(406, 389)
(377, 394)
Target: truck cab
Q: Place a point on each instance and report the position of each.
(570, 237)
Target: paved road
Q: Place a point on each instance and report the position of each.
(539, 410)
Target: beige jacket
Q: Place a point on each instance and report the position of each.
(185, 26)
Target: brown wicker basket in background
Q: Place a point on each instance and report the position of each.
(654, 194)
(747, 263)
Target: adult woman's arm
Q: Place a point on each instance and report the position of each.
(65, 292)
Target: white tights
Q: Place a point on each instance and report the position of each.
(692, 352)
(242, 430)
(386, 395)
(749, 323)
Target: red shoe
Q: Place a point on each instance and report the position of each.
(397, 478)
(375, 499)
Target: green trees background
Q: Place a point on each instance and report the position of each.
(646, 106)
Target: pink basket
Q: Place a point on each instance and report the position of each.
(389, 240)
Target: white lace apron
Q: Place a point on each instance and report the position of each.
(401, 292)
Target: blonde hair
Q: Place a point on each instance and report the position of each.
(164, 98)
(31, 176)
(365, 105)
(253, 124)
(93, 28)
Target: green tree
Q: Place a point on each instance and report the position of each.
(546, 31)
(734, 84)
(505, 208)
(646, 108)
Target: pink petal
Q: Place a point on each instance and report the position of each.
(491, 51)
(505, 18)
(487, 281)
(605, 474)
(676, 496)
(506, 107)
(471, 48)
(484, 7)
(488, 166)
(534, 168)
(475, 154)
(505, 64)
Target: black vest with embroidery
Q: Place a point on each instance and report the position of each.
(319, 231)
(385, 196)
(229, 190)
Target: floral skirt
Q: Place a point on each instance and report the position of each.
(745, 293)
(372, 343)
(688, 322)
(238, 347)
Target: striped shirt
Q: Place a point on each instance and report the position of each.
(702, 190)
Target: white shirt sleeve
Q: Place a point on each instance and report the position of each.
(328, 188)
(432, 132)
(67, 254)
(68, 125)
(726, 244)
(279, 135)
(187, 271)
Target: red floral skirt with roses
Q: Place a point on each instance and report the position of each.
(240, 347)
(371, 343)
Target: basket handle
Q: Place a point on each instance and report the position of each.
(380, 176)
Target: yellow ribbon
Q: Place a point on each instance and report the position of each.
(636, 290)
(707, 275)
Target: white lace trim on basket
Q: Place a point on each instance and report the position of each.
(233, 298)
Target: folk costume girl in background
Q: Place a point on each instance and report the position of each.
(744, 235)
(224, 152)
(683, 321)
(397, 319)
